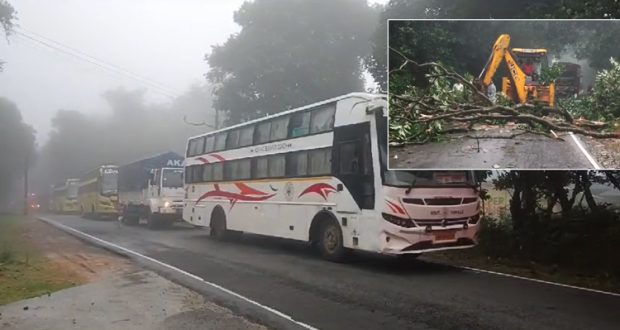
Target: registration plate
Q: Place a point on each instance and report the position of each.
(450, 177)
(446, 235)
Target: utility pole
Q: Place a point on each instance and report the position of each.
(27, 160)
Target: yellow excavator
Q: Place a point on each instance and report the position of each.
(524, 67)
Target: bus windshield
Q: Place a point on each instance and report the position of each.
(109, 180)
(172, 178)
(72, 191)
(403, 178)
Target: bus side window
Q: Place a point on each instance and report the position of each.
(246, 136)
(210, 144)
(300, 124)
(200, 146)
(244, 169)
(261, 168)
(191, 149)
(279, 128)
(218, 172)
(207, 173)
(220, 141)
(277, 166)
(232, 141)
(323, 119)
(197, 173)
(320, 161)
(229, 170)
(297, 164)
(261, 135)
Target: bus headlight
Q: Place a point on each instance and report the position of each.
(166, 204)
(407, 223)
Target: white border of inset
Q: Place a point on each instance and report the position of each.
(589, 157)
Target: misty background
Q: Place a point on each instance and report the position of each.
(91, 82)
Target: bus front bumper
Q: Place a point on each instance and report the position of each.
(400, 240)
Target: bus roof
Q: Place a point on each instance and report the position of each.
(539, 51)
(367, 96)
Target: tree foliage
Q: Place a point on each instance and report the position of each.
(290, 53)
(603, 101)
(130, 130)
(594, 41)
(7, 17)
(17, 143)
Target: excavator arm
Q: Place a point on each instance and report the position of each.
(501, 53)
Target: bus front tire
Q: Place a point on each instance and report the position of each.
(330, 242)
(152, 222)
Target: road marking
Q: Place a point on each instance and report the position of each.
(195, 277)
(584, 151)
(539, 281)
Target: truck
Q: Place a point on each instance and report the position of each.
(569, 83)
(151, 190)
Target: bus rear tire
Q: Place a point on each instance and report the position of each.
(330, 242)
(217, 226)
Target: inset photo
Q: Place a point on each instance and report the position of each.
(504, 94)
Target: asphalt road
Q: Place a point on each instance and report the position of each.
(523, 152)
(370, 292)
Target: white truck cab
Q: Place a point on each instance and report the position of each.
(151, 190)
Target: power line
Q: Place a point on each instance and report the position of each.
(101, 61)
(67, 50)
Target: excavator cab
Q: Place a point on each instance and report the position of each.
(524, 65)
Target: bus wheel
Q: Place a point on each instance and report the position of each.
(218, 224)
(330, 241)
(152, 222)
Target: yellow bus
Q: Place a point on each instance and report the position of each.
(98, 193)
(64, 197)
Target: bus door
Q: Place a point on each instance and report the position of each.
(352, 164)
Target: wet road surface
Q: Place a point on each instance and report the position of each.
(369, 292)
(522, 152)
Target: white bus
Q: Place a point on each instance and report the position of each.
(319, 174)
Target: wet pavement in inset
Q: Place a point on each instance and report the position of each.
(526, 151)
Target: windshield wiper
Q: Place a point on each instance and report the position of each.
(410, 186)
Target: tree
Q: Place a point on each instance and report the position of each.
(582, 9)
(132, 129)
(7, 16)
(17, 143)
(290, 53)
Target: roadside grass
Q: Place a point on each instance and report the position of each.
(24, 271)
(475, 258)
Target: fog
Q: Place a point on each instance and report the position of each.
(165, 41)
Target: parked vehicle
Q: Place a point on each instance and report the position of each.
(151, 189)
(319, 173)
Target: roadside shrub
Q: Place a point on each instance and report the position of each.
(496, 238)
(6, 256)
(588, 242)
